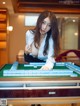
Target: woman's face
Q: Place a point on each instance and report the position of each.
(46, 26)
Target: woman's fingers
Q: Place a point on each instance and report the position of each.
(44, 68)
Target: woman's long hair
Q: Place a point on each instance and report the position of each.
(52, 32)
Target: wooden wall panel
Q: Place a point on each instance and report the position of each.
(3, 45)
(3, 36)
(3, 57)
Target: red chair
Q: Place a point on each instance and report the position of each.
(69, 56)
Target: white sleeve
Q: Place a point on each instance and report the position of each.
(50, 60)
(29, 37)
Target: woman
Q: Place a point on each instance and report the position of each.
(42, 43)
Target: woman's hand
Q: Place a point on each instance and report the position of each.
(45, 67)
(49, 64)
(28, 49)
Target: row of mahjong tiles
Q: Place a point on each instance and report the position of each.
(37, 72)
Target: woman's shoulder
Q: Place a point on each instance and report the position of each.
(30, 33)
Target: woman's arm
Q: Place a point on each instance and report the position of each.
(50, 60)
(28, 49)
(29, 41)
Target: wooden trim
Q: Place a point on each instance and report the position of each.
(55, 10)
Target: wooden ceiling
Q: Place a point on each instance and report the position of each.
(57, 6)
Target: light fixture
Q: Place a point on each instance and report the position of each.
(76, 34)
(10, 28)
(74, 20)
(30, 19)
(3, 2)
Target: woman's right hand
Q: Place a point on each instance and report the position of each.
(28, 49)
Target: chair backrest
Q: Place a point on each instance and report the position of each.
(20, 56)
(72, 56)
